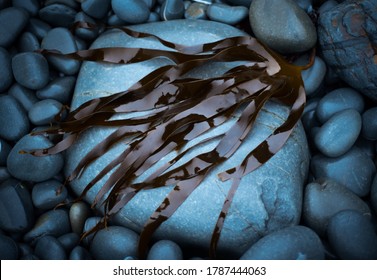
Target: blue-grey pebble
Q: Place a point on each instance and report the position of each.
(172, 9)
(114, 243)
(6, 77)
(80, 253)
(5, 149)
(373, 194)
(4, 174)
(352, 235)
(12, 22)
(31, 70)
(31, 6)
(46, 195)
(338, 100)
(26, 97)
(314, 76)
(89, 224)
(339, 133)
(28, 42)
(78, 213)
(60, 89)
(62, 40)
(369, 130)
(325, 198)
(74, 4)
(69, 241)
(31, 168)
(58, 15)
(8, 248)
(13, 119)
(245, 3)
(291, 243)
(96, 8)
(309, 117)
(196, 11)
(16, 208)
(131, 11)
(227, 14)
(53, 222)
(44, 112)
(49, 248)
(86, 33)
(354, 170)
(165, 250)
(81, 43)
(38, 27)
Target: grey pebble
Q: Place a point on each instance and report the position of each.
(60, 89)
(114, 243)
(314, 76)
(58, 15)
(31, 6)
(369, 130)
(12, 22)
(69, 241)
(352, 236)
(291, 243)
(8, 248)
(4, 174)
(31, 168)
(131, 11)
(16, 208)
(373, 194)
(28, 42)
(48, 194)
(4, 152)
(309, 118)
(31, 70)
(96, 8)
(44, 112)
(85, 33)
(80, 253)
(227, 14)
(61, 39)
(165, 250)
(172, 9)
(6, 77)
(49, 248)
(339, 100)
(78, 213)
(196, 11)
(339, 133)
(13, 119)
(38, 27)
(53, 222)
(26, 97)
(324, 199)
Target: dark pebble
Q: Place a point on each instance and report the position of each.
(26, 97)
(12, 22)
(31, 6)
(58, 15)
(49, 248)
(13, 119)
(114, 243)
(131, 11)
(4, 152)
(38, 28)
(74, 4)
(165, 250)
(59, 89)
(85, 33)
(28, 42)
(96, 8)
(245, 3)
(8, 248)
(48, 194)
(61, 39)
(172, 9)
(80, 253)
(16, 208)
(53, 222)
(196, 11)
(227, 14)
(352, 235)
(6, 77)
(69, 241)
(31, 70)
(4, 174)
(31, 168)
(324, 199)
(45, 111)
(78, 213)
(291, 243)
(369, 130)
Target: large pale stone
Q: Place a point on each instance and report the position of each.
(268, 199)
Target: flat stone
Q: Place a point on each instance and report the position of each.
(78, 213)
(12, 22)
(6, 77)
(28, 42)
(38, 28)
(85, 33)
(96, 8)
(80, 253)
(131, 11)
(70, 3)
(4, 174)
(44, 112)
(275, 188)
(227, 14)
(58, 15)
(69, 241)
(196, 11)
(60, 89)
(314, 76)
(48, 194)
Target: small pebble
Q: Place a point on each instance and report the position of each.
(58, 15)
(96, 8)
(6, 77)
(324, 199)
(12, 22)
(131, 11)
(114, 243)
(45, 112)
(89, 224)
(153, 17)
(291, 243)
(80, 253)
(196, 11)
(352, 235)
(31, 6)
(4, 152)
(227, 14)
(85, 33)
(59, 89)
(13, 119)
(31, 70)
(8, 248)
(49, 248)
(38, 28)
(165, 250)
(31, 168)
(69, 241)
(314, 76)
(28, 42)
(16, 208)
(26, 97)
(78, 213)
(48, 194)
(172, 9)
(369, 130)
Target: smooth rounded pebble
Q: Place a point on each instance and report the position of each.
(291, 243)
(339, 100)
(38, 27)
(313, 77)
(114, 243)
(69, 241)
(31, 70)
(196, 11)
(354, 170)
(49, 248)
(6, 77)
(59, 89)
(373, 194)
(369, 130)
(26, 97)
(165, 250)
(85, 33)
(131, 11)
(227, 14)
(48, 194)
(89, 224)
(80, 253)
(339, 133)
(8, 248)
(58, 15)
(324, 199)
(96, 8)
(31, 6)
(4, 152)
(78, 213)
(352, 235)
(45, 112)
(28, 42)
(16, 208)
(172, 9)
(12, 22)
(31, 168)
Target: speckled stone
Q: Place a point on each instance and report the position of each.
(275, 188)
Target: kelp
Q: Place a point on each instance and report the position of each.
(176, 110)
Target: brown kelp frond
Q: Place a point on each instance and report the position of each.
(175, 111)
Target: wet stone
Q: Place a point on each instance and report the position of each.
(58, 15)
(292, 243)
(16, 208)
(4, 152)
(352, 235)
(12, 22)
(69, 241)
(31, 168)
(6, 77)
(165, 250)
(13, 119)
(26, 97)
(44, 112)
(80, 253)
(78, 213)
(131, 11)
(196, 11)
(227, 14)
(48, 194)
(38, 28)
(31, 6)
(60, 89)
(369, 130)
(49, 248)
(8, 248)
(96, 8)
(28, 42)
(324, 199)
(172, 9)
